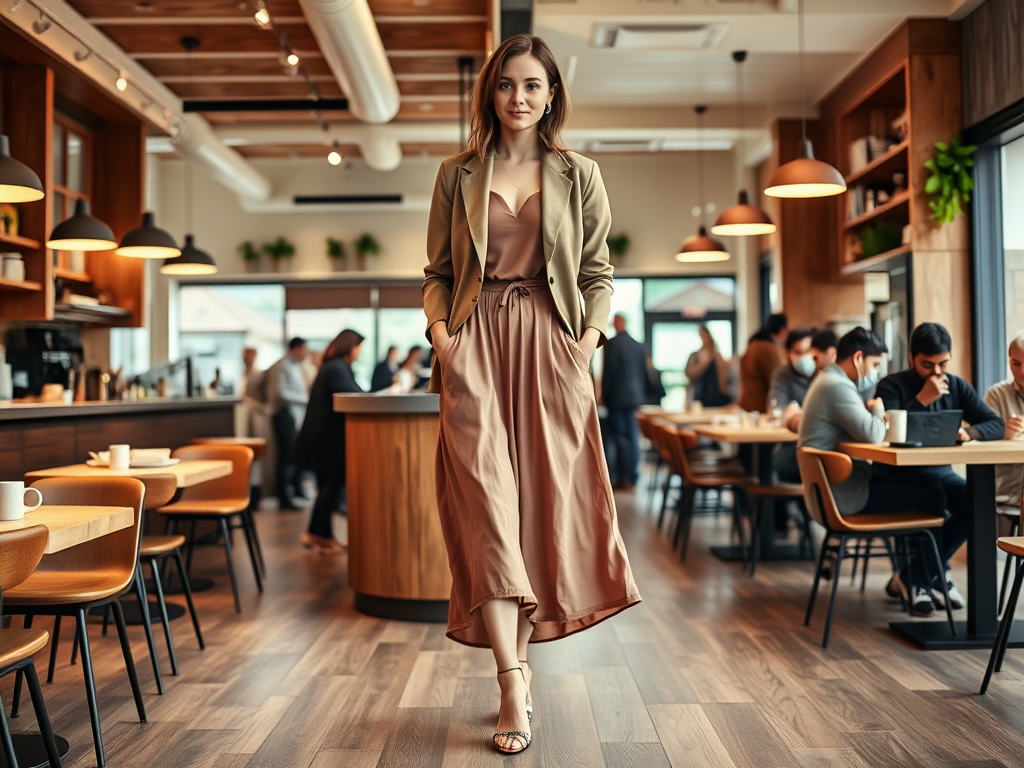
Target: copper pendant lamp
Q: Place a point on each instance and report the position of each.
(700, 248)
(805, 176)
(742, 219)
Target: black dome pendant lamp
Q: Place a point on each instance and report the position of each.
(701, 248)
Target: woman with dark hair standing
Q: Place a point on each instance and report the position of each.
(516, 235)
(321, 444)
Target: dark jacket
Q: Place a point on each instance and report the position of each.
(625, 382)
(383, 376)
(321, 444)
(899, 392)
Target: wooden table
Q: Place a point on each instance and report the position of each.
(707, 416)
(188, 473)
(765, 439)
(70, 526)
(979, 630)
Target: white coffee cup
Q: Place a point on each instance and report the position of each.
(119, 457)
(750, 419)
(896, 423)
(12, 499)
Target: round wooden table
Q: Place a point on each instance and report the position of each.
(397, 561)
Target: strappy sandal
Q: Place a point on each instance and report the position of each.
(529, 692)
(523, 737)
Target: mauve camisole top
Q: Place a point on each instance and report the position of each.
(515, 243)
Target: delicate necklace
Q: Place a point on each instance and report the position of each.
(507, 173)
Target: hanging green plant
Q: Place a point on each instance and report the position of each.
(618, 245)
(950, 183)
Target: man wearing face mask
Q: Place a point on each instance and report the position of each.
(787, 393)
(926, 386)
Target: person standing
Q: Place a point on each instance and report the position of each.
(764, 356)
(655, 388)
(624, 389)
(517, 232)
(321, 444)
(287, 397)
(708, 373)
(1007, 400)
(384, 374)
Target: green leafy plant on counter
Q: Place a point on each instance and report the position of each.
(950, 183)
(248, 251)
(335, 249)
(618, 245)
(279, 249)
(879, 237)
(367, 245)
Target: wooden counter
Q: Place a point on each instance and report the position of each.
(39, 435)
(397, 561)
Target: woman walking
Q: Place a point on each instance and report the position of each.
(517, 232)
(321, 445)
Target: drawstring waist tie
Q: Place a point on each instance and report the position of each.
(512, 289)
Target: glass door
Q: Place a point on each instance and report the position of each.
(672, 343)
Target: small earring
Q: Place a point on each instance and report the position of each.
(547, 109)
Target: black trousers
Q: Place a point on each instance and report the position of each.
(285, 434)
(330, 484)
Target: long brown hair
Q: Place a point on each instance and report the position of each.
(343, 344)
(486, 128)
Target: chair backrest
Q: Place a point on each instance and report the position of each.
(682, 441)
(20, 553)
(819, 471)
(660, 435)
(117, 552)
(233, 486)
(160, 489)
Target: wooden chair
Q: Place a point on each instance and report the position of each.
(20, 552)
(820, 470)
(92, 574)
(222, 501)
(761, 496)
(682, 442)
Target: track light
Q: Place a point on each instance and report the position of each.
(262, 15)
(41, 24)
(121, 82)
(82, 55)
(334, 158)
(293, 59)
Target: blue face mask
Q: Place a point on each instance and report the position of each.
(804, 366)
(867, 381)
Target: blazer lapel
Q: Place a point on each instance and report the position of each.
(476, 190)
(555, 186)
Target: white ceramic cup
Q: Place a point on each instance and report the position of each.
(119, 457)
(12, 499)
(896, 422)
(750, 419)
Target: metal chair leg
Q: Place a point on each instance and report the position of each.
(942, 581)
(256, 540)
(231, 563)
(1006, 569)
(147, 625)
(685, 520)
(42, 716)
(817, 578)
(188, 598)
(129, 662)
(18, 678)
(5, 739)
(835, 590)
(54, 641)
(1005, 626)
(252, 551)
(162, 605)
(90, 689)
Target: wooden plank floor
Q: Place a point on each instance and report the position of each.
(713, 669)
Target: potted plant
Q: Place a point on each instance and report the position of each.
(366, 245)
(950, 183)
(336, 253)
(279, 250)
(618, 245)
(250, 256)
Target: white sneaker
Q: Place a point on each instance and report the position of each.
(917, 598)
(956, 600)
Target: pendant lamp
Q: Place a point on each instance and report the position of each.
(701, 248)
(18, 182)
(805, 176)
(81, 232)
(192, 260)
(743, 218)
(148, 242)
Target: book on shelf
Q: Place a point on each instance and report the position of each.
(868, 148)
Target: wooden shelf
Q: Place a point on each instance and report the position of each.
(67, 274)
(882, 167)
(901, 199)
(19, 285)
(875, 263)
(20, 242)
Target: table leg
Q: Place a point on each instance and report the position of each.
(979, 631)
(31, 752)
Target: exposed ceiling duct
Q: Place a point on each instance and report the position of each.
(85, 49)
(351, 45)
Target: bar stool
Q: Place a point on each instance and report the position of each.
(820, 470)
(92, 574)
(20, 553)
(221, 501)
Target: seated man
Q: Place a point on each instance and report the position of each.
(823, 348)
(788, 388)
(926, 386)
(1007, 400)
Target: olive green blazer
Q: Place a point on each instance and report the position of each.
(575, 217)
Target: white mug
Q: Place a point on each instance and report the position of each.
(119, 457)
(12, 499)
(896, 423)
(750, 419)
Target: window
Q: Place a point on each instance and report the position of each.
(1012, 167)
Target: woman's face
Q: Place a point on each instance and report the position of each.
(357, 350)
(522, 94)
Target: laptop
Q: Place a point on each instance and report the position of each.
(928, 429)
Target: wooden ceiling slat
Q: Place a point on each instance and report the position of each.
(296, 89)
(422, 37)
(431, 65)
(407, 112)
(431, 8)
(182, 8)
(213, 38)
(257, 67)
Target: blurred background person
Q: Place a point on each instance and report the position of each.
(287, 397)
(708, 373)
(321, 445)
(655, 387)
(409, 373)
(764, 356)
(623, 389)
(384, 373)
(1007, 399)
(823, 348)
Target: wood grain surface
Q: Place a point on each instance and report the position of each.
(189, 473)
(730, 434)
(974, 452)
(69, 526)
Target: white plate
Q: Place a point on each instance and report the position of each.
(138, 464)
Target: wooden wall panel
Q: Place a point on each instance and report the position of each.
(942, 290)
(49, 446)
(993, 59)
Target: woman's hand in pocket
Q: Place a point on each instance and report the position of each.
(439, 337)
(589, 341)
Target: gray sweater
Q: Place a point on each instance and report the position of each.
(834, 413)
(788, 386)
(1007, 400)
